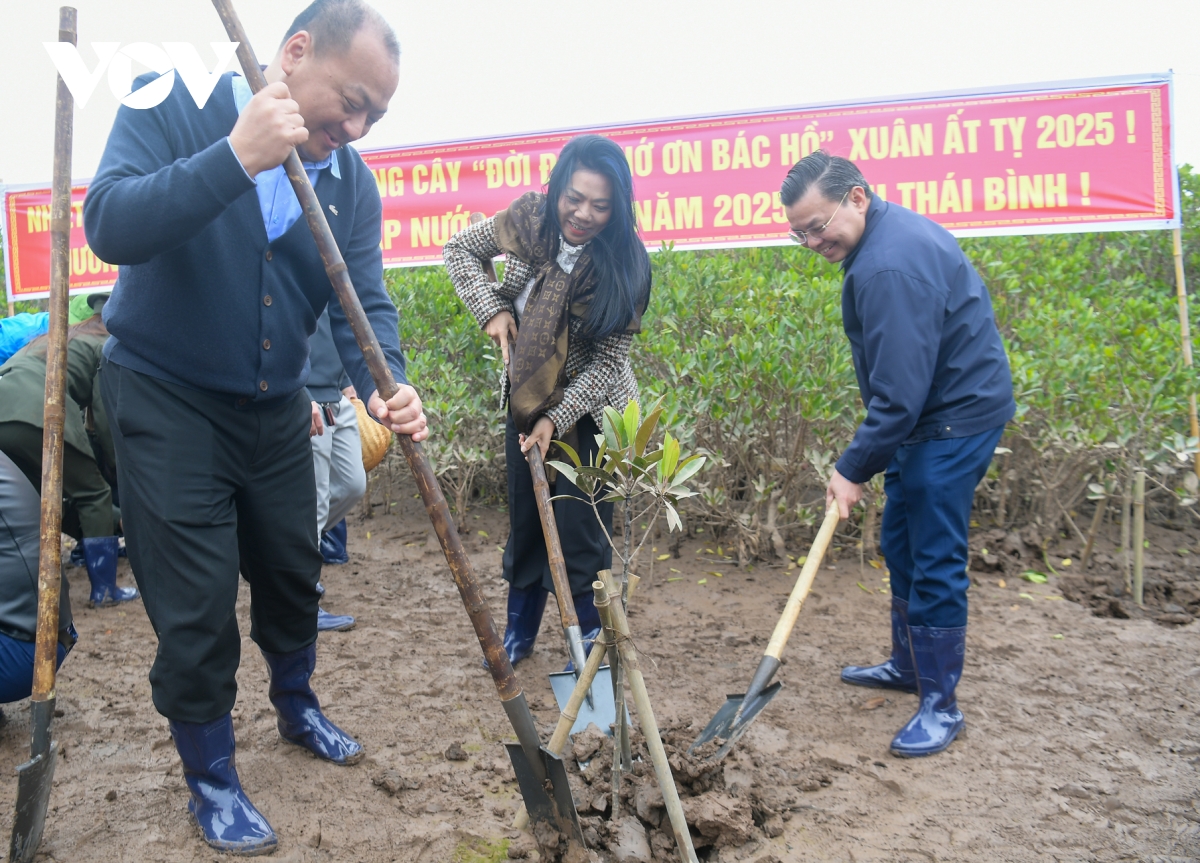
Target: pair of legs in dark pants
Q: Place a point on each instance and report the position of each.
(930, 489)
(214, 485)
(526, 561)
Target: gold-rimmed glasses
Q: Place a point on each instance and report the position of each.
(801, 237)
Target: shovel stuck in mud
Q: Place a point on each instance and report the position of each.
(735, 716)
(35, 777)
(599, 705)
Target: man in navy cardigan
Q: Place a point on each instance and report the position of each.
(938, 392)
(220, 286)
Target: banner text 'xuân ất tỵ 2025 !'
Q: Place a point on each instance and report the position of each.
(1089, 156)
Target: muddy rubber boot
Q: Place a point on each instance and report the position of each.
(327, 622)
(226, 817)
(333, 544)
(897, 672)
(525, 608)
(100, 554)
(589, 623)
(938, 654)
(300, 718)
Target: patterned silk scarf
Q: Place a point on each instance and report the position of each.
(537, 375)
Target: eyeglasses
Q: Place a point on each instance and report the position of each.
(801, 237)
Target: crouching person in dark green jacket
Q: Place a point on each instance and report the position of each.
(88, 513)
(20, 517)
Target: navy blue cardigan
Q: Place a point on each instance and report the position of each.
(928, 356)
(202, 299)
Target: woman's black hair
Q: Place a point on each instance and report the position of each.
(622, 265)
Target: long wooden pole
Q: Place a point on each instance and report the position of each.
(54, 413)
(511, 696)
(1185, 334)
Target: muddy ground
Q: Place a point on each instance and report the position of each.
(1082, 738)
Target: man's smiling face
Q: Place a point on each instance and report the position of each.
(341, 96)
(832, 229)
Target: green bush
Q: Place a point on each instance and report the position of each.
(746, 349)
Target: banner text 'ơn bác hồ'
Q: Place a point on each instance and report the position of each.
(1089, 156)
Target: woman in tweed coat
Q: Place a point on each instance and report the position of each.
(576, 282)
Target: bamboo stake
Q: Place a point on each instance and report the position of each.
(566, 719)
(613, 617)
(1126, 563)
(1101, 508)
(1139, 533)
(1185, 334)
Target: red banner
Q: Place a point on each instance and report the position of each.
(1089, 156)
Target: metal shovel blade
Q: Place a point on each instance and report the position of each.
(35, 778)
(723, 724)
(602, 710)
(558, 810)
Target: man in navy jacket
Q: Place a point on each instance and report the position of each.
(938, 392)
(220, 286)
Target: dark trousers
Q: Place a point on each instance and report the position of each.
(930, 488)
(213, 487)
(88, 509)
(585, 548)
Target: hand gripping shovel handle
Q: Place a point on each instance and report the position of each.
(510, 692)
(783, 629)
(35, 777)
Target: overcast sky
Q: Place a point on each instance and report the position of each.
(472, 69)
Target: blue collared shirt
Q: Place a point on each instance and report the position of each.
(276, 197)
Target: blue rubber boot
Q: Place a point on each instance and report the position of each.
(100, 554)
(525, 608)
(327, 622)
(300, 718)
(938, 655)
(897, 672)
(589, 623)
(77, 558)
(333, 544)
(225, 815)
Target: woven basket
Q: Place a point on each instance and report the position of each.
(375, 438)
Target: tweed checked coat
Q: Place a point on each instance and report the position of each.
(598, 371)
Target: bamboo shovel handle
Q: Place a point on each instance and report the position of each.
(558, 565)
(431, 493)
(54, 413)
(795, 602)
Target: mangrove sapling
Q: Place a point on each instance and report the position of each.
(646, 483)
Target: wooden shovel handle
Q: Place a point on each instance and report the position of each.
(558, 564)
(427, 484)
(55, 412)
(804, 582)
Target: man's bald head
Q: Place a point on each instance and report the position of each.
(333, 24)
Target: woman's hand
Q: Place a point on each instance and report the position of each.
(502, 329)
(542, 435)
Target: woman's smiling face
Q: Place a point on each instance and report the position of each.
(585, 206)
